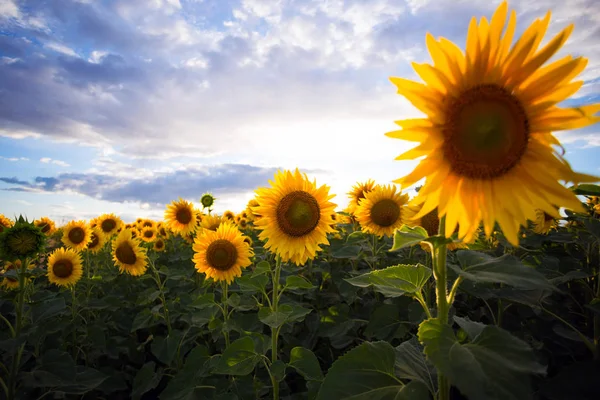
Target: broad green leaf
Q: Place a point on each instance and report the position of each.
(182, 385)
(570, 276)
(495, 365)
(593, 226)
(296, 313)
(586, 189)
(204, 301)
(412, 364)
(274, 319)
(297, 282)
(261, 268)
(249, 283)
(233, 300)
(278, 370)
(47, 309)
(364, 373)
(145, 379)
(356, 237)
(396, 280)
(239, 358)
(350, 252)
(508, 269)
(407, 236)
(143, 319)
(383, 322)
(165, 348)
(306, 364)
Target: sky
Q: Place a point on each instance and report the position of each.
(123, 106)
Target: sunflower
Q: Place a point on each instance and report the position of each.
(190, 237)
(109, 223)
(380, 211)
(163, 232)
(357, 193)
(97, 240)
(243, 224)
(47, 226)
(431, 223)
(222, 254)
(181, 217)
(21, 240)
(251, 207)
(64, 267)
(487, 138)
(139, 221)
(211, 222)
(544, 222)
(296, 216)
(9, 282)
(148, 234)
(4, 223)
(228, 215)
(146, 223)
(207, 200)
(77, 235)
(128, 255)
(248, 240)
(159, 245)
(593, 200)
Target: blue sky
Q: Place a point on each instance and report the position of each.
(122, 106)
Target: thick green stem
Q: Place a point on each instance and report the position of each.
(440, 274)
(225, 312)
(163, 300)
(275, 331)
(12, 384)
(74, 324)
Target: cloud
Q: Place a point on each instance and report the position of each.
(47, 160)
(14, 159)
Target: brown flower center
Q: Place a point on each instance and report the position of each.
(298, 213)
(159, 244)
(431, 222)
(76, 235)
(108, 225)
(63, 268)
(221, 254)
(44, 227)
(385, 212)
(486, 132)
(148, 234)
(95, 241)
(125, 254)
(183, 215)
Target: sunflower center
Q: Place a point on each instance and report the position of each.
(159, 244)
(63, 268)
(431, 222)
(298, 213)
(184, 215)
(486, 132)
(76, 235)
(108, 225)
(44, 227)
(95, 241)
(385, 212)
(125, 254)
(148, 234)
(221, 254)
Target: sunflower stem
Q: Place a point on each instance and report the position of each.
(163, 300)
(73, 316)
(275, 331)
(225, 312)
(12, 384)
(440, 273)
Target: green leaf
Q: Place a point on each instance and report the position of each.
(204, 301)
(165, 349)
(593, 226)
(396, 280)
(47, 309)
(412, 364)
(306, 364)
(274, 319)
(508, 269)
(239, 358)
(350, 252)
(408, 236)
(145, 380)
(261, 268)
(297, 282)
(249, 283)
(356, 237)
(366, 372)
(495, 365)
(383, 322)
(586, 189)
(278, 370)
(182, 385)
(143, 319)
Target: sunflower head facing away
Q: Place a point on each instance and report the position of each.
(109, 224)
(380, 212)
(181, 217)
(47, 226)
(64, 267)
(489, 153)
(358, 193)
(128, 255)
(21, 240)
(295, 216)
(221, 254)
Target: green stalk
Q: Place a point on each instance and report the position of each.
(73, 316)
(441, 277)
(19, 325)
(162, 296)
(225, 312)
(275, 331)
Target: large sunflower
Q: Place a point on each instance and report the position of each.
(64, 267)
(221, 254)
(97, 240)
(47, 226)
(295, 216)
(380, 211)
(357, 193)
(181, 217)
(487, 138)
(109, 223)
(128, 255)
(77, 235)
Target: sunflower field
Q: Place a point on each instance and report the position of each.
(484, 285)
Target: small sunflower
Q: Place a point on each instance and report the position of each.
(248, 240)
(64, 267)
(10, 282)
(228, 215)
(190, 237)
(47, 226)
(159, 245)
(380, 211)
(77, 235)
(148, 234)
(222, 254)
(181, 217)
(243, 224)
(252, 204)
(211, 222)
(4, 223)
(487, 148)
(110, 224)
(139, 221)
(146, 223)
(128, 255)
(296, 216)
(163, 232)
(358, 193)
(21, 240)
(207, 200)
(544, 222)
(97, 240)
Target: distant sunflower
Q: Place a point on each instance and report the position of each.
(334, 218)
(128, 255)
(4, 223)
(190, 237)
(487, 140)
(544, 222)
(64, 267)
(46, 225)
(248, 240)
(139, 221)
(9, 282)
(146, 223)
(228, 215)
(211, 222)
(358, 193)
(380, 211)
(97, 240)
(181, 217)
(243, 224)
(207, 200)
(296, 216)
(221, 254)
(163, 232)
(148, 234)
(252, 204)
(76, 235)
(159, 245)
(110, 224)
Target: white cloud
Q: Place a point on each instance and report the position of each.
(8, 9)
(47, 160)
(14, 159)
(61, 48)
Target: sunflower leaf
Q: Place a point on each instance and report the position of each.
(587, 189)
(249, 283)
(408, 236)
(297, 282)
(394, 281)
(306, 364)
(239, 358)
